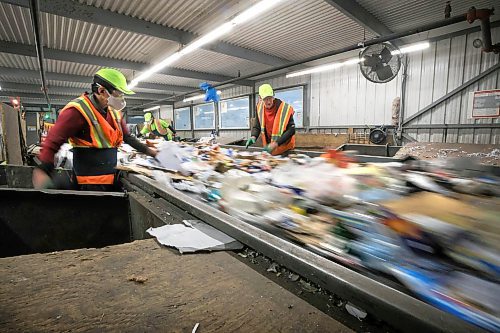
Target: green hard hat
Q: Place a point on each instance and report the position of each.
(147, 116)
(115, 78)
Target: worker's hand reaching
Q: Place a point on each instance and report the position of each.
(40, 179)
(152, 152)
(270, 147)
(250, 142)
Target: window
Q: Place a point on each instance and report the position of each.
(234, 113)
(182, 119)
(204, 116)
(295, 97)
(135, 119)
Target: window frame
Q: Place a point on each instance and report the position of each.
(190, 118)
(249, 112)
(194, 117)
(304, 87)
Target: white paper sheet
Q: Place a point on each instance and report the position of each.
(194, 236)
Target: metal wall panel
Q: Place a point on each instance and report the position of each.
(343, 97)
(455, 79)
(440, 86)
(489, 59)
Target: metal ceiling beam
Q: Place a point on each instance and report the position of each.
(360, 15)
(91, 14)
(14, 86)
(26, 73)
(27, 102)
(55, 99)
(29, 51)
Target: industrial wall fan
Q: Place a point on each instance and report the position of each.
(380, 63)
(378, 135)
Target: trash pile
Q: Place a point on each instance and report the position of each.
(432, 225)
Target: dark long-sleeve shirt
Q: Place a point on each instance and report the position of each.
(71, 123)
(284, 138)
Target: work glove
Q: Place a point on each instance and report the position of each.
(270, 147)
(250, 142)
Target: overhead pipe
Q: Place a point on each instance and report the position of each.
(484, 16)
(35, 22)
(382, 39)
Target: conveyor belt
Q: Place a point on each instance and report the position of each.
(384, 302)
(314, 153)
(90, 290)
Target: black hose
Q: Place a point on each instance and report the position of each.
(35, 22)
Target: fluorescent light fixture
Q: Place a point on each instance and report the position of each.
(197, 97)
(353, 61)
(324, 68)
(156, 68)
(412, 48)
(254, 11)
(221, 30)
(208, 38)
(0, 87)
(151, 108)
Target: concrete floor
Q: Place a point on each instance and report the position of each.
(90, 290)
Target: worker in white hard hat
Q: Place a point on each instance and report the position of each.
(274, 123)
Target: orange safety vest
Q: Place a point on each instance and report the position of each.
(97, 158)
(283, 115)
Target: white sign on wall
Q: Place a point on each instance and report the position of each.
(485, 104)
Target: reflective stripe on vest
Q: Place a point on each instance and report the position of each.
(160, 129)
(285, 111)
(101, 132)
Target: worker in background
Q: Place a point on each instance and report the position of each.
(274, 122)
(94, 126)
(158, 127)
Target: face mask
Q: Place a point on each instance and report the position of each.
(117, 103)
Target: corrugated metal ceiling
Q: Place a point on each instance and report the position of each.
(189, 15)
(298, 29)
(65, 67)
(77, 36)
(294, 30)
(208, 61)
(173, 80)
(401, 15)
(26, 80)
(18, 61)
(15, 24)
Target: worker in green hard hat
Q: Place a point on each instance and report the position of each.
(94, 126)
(158, 127)
(274, 123)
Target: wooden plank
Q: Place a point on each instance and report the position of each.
(90, 289)
(320, 140)
(9, 119)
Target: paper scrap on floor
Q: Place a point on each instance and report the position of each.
(193, 236)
